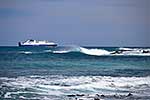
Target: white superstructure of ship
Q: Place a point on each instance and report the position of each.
(31, 42)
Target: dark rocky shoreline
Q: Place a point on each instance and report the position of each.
(129, 96)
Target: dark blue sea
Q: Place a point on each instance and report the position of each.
(66, 72)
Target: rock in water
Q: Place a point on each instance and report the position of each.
(129, 95)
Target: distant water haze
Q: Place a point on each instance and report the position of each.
(76, 22)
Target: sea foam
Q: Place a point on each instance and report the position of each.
(94, 51)
(97, 52)
(76, 85)
(103, 52)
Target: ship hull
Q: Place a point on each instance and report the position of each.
(37, 45)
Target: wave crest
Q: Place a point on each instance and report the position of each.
(104, 52)
(96, 52)
(62, 85)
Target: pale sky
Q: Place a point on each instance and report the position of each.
(76, 22)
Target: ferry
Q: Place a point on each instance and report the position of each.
(32, 42)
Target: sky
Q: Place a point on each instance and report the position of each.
(76, 22)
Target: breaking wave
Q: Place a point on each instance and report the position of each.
(103, 52)
(63, 85)
(85, 51)
(97, 52)
(94, 51)
(26, 52)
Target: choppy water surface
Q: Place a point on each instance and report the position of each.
(54, 73)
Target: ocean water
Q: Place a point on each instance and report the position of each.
(44, 73)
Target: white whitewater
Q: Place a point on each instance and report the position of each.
(102, 52)
(96, 52)
(62, 85)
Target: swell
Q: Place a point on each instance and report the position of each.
(94, 51)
